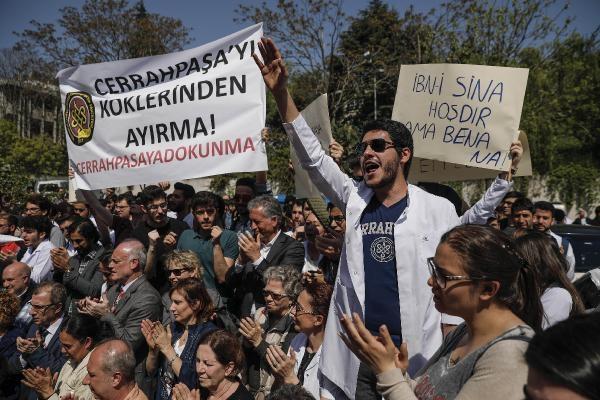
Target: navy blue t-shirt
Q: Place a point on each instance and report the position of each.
(382, 302)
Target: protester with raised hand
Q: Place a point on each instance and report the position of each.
(382, 272)
(172, 350)
(478, 276)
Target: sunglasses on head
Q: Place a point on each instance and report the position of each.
(377, 145)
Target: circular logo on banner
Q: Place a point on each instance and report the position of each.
(382, 249)
(79, 117)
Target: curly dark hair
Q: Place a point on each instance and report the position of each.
(9, 308)
(320, 293)
(227, 349)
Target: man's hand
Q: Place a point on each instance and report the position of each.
(164, 185)
(249, 246)
(153, 237)
(336, 151)
(273, 69)
(96, 308)
(60, 258)
(282, 365)
(251, 331)
(29, 345)
(516, 152)
(170, 239)
(8, 257)
(215, 234)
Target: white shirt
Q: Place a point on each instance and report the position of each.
(312, 375)
(568, 253)
(125, 287)
(52, 331)
(556, 303)
(265, 249)
(39, 261)
(415, 239)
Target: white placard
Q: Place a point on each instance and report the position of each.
(189, 114)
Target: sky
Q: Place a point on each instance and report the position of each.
(212, 19)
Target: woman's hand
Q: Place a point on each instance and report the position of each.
(182, 392)
(40, 380)
(251, 331)
(147, 326)
(282, 365)
(161, 337)
(273, 70)
(379, 352)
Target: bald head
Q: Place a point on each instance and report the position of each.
(111, 370)
(127, 261)
(15, 278)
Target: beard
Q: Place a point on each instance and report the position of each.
(390, 171)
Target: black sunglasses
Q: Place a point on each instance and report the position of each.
(377, 145)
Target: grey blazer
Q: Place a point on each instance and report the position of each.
(141, 301)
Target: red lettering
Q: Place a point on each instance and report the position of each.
(232, 149)
(177, 152)
(248, 145)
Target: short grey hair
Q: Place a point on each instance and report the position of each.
(270, 206)
(289, 276)
(135, 251)
(57, 291)
(118, 356)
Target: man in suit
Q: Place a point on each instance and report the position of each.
(128, 302)
(41, 347)
(16, 280)
(266, 247)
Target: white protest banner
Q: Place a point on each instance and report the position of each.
(316, 115)
(462, 114)
(189, 114)
(424, 170)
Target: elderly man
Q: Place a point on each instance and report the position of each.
(266, 246)
(110, 372)
(128, 302)
(16, 280)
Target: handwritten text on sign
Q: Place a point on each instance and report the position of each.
(464, 114)
(194, 113)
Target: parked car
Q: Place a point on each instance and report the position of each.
(51, 185)
(586, 244)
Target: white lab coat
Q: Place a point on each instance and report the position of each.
(568, 253)
(416, 235)
(311, 374)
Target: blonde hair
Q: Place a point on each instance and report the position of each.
(187, 259)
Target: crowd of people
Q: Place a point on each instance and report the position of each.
(382, 290)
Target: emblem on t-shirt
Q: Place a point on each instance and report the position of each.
(382, 249)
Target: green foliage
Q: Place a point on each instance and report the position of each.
(26, 159)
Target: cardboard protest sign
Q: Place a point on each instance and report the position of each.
(461, 114)
(189, 114)
(317, 117)
(424, 170)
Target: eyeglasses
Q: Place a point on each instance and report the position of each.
(179, 271)
(202, 211)
(155, 207)
(441, 280)
(377, 145)
(336, 218)
(300, 310)
(40, 307)
(274, 296)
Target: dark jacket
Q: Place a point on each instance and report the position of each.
(247, 283)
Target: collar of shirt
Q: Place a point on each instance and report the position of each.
(125, 287)
(52, 330)
(267, 247)
(42, 246)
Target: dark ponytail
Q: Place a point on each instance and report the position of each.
(488, 254)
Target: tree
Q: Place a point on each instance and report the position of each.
(102, 30)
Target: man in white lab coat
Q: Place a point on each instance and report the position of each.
(392, 228)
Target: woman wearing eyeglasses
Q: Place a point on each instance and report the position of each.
(300, 365)
(271, 325)
(475, 275)
(172, 350)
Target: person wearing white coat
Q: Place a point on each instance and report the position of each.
(416, 232)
